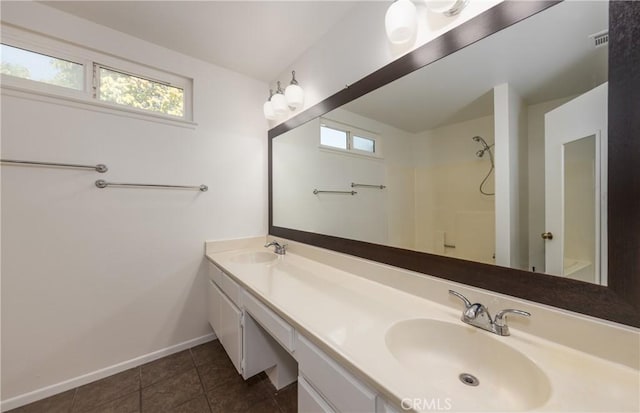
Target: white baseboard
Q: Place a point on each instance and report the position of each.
(48, 391)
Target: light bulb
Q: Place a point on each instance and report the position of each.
(294, 93)
(401, 21)
(269, 113)
(279, 102)
(267, 108)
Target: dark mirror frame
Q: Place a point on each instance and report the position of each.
(620, 300)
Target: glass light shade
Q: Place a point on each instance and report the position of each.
(295, 96)
(279, 104)
(401, 21)
(269, 113)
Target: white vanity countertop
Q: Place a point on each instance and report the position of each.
(348, 317)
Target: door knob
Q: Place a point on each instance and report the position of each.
(546, 235)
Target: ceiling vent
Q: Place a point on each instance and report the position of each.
(600, 39)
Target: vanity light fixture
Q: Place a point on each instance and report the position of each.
(294, 93)
(447, 7)
(267, 108)
(401, 21)
(281, 102)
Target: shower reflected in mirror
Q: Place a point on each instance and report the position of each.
(485, 149)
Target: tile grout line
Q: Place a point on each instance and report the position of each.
(204, 392)
(73, 399)
(169, 376)
(108, 401)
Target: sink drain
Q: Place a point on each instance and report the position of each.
(469, 379)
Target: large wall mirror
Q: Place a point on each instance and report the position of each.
(488, 166)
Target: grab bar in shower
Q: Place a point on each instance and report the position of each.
(316, 192)
(100, 183)
(354, 185)
(98, 168)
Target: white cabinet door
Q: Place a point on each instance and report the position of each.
(230, 331)
(213, 306)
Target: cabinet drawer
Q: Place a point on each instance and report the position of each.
(270, 321)
(339, 387)
(309, 401)
(230, 288)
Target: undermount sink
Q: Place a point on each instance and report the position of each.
(254, 257)
(477, 371)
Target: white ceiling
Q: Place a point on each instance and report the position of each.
(257, 38)
(545, 57)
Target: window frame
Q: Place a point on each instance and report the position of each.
(351, 131)
(36, 43)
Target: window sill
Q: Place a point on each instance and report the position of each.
(93, 106)
(356, 154)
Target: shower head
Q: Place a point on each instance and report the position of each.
(485, 145)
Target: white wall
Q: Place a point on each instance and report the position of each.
(398, 159)
(358, 46)
(510, 198)
(94, 277)
(373, 215)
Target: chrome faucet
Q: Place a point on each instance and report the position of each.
(478, 315)
(281, 249)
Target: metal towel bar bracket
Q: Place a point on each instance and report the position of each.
(316, 192)
(100, 183)
(98, 168)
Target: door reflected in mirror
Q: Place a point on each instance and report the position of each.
(580, 200)
(476, 155)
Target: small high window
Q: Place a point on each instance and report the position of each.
(33, 63)
(335, 135)
(138, 92)
(25, 64)
(364, 144)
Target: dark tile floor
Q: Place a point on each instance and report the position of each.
(199, 380)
